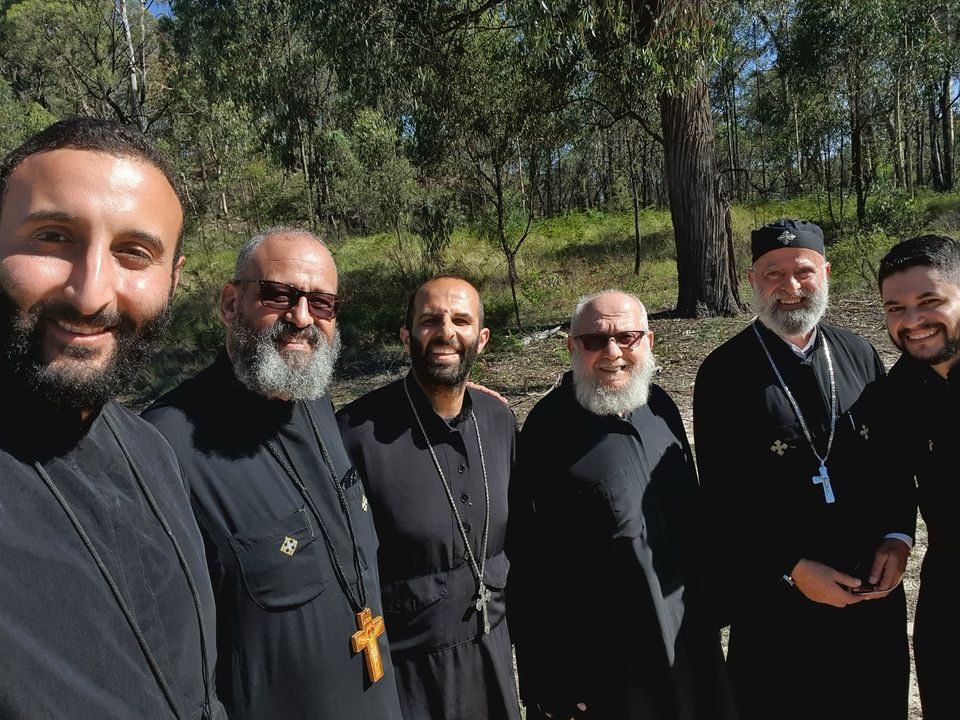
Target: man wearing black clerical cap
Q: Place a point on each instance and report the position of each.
(291, 545)
(106, 610)
(814, 538)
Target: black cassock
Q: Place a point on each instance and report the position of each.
(606, 603)
(284, 620)
(915, 431)
(447, 667)
(66, 648)
(790, 657)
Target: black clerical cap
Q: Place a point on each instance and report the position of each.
(786, 233)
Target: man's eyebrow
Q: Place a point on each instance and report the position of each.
(46, 215)
(147, 238)
(921, 296)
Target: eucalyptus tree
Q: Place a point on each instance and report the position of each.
(621, 53)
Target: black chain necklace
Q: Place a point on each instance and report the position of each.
(357, 601)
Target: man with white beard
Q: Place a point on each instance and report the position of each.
(807, 541)
(606, 606)
(291, 546)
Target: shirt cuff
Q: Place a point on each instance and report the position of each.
(900, 536)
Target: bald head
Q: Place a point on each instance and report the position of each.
(279, 241)
(592, 309)
(442, 283)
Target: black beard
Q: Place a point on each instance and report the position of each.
(22, 354)
(951, 345)
(443, 375)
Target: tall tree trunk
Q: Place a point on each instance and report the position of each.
(936, 168)
(946, 121)
(856, 157)
(635, 195)
(136, 91)
(704, 264)
(896, 131)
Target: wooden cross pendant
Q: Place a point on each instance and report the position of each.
(824, 479)
(365, 640)
(483, 597)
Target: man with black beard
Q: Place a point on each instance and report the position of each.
(816, 541)
(291, 546)
(607, 606)
(105, 603)
(913, 433)
(436, 459)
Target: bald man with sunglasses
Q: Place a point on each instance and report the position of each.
(605, 605)
(291, 544)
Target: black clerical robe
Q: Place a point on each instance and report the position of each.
(606, 603)
(447, 667)
(66, 648)
(285, 622)
(790, 657)
(915, 426)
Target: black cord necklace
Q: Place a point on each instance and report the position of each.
(369, 628)
(115, 588)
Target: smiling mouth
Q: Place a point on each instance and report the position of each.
(77, 333)
(920, 334)
(790, 301)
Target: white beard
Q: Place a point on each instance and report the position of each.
(788, 323)
(598, 399)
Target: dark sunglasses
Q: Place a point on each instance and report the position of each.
(628, 339)
(280, 296)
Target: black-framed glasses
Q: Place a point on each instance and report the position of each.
(628, 339)
(280, 296)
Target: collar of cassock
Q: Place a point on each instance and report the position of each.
(33, 429)
(428, 415)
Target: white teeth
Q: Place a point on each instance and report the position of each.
(78, 330)
(922, 335)
(790, 301)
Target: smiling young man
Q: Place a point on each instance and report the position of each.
(915, 430)
(608, 612)
(105, 603)
(436, 459)
(804, 527)
(291, 547)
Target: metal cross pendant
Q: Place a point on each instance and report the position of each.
(365, 640)
(483, 597)
(824, 479)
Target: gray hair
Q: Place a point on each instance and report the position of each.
(245, 255)
(585, 300)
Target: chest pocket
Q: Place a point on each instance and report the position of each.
(284, 563)
(611, 506)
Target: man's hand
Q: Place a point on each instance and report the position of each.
(889, 563)
(492, 393)
(821, 583)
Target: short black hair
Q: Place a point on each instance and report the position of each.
(97, 135)
(411, 301)
(935, 251)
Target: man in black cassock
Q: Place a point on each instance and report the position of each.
(290, 541)
(607, 607)
(105, 605)
(436, 458)
(815, 539)
(914, 430)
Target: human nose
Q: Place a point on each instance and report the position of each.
(612, 349)
(447, 328)
(299, 314)
(92, 285)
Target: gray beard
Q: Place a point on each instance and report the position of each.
(792, 322)
(262, 368)
(594, 397)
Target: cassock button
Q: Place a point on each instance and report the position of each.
(461, 468)
(464, 497)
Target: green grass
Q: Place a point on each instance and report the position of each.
(561, 259)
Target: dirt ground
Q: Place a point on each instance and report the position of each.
(524, 375)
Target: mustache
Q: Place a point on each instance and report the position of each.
(284, 328)
(59, 310)
(448, 343)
